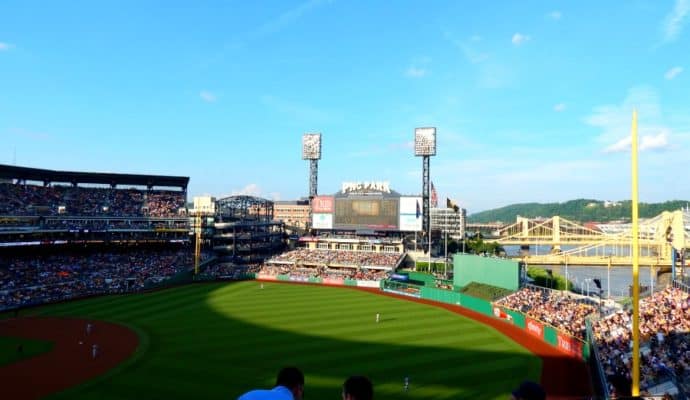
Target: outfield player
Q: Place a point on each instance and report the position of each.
(406, 385)
(94, 351)
(377, 317)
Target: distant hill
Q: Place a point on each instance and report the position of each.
(583, 210)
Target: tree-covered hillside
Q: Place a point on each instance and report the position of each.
(578, 210)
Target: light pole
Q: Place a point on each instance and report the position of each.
(311, 151)
(425, 147)
(566, 273)
(608, 278)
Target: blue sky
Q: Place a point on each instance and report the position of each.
(532, 100)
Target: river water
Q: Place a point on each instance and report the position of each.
(581, 276)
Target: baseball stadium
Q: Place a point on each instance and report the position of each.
(112, 287)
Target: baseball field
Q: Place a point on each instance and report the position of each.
(218, 340)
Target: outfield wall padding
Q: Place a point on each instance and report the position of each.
(518, 318)
(492, 271)
(550, 335)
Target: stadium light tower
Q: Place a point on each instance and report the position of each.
(311, 150)
(425, 147)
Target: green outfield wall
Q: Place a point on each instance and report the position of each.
(492, 271)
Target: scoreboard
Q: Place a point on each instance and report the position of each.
(377, 213)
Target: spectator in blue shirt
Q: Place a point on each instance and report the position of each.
(289, 386)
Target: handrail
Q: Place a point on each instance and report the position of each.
(595, 352)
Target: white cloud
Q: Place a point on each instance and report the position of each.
(673, 23)
(619, 146)
(560, 107)
(5, 46)
(673, 72)
(288, 18)
(415, 72)
(555, 15)
(207, 96)
(648, 142)
(615, 122)
(519, 39)
(657, 142)
(251, 189)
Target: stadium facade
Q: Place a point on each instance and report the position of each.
(245, 231)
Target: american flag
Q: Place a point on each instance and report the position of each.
(434, 196)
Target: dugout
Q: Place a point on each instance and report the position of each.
(498, 272)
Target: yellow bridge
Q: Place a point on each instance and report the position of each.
(574, 244)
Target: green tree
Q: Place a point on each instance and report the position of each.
(477, 245)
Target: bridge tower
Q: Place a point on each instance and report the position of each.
(669, 232)
(556, 231)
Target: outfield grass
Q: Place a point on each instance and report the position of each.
(30, 348)
(218, 340)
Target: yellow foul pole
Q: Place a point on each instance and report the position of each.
(636, 266)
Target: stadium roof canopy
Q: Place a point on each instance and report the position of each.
(51, 176)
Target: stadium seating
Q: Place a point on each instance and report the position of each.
(23, 200)
(28, 280)
(664, 331)
(562, 311)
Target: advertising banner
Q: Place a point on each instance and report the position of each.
(331, 281)
(410, 214)
(323, 204)
(322, 221)
(570, 345)
(534, 327)
(369, 284)
(266, 277)
(499, 313)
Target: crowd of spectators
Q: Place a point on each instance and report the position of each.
(111, 224)
(339, 257)
(26, 280)
(664, 334)
(226, 270)
(323, 272)
(560, 310)
(21, 200)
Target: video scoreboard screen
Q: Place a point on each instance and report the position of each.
(366, 214)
